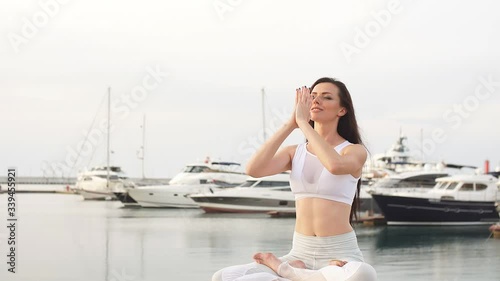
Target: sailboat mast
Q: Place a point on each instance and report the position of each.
(109, 119)
(143, 144)
(263, 114)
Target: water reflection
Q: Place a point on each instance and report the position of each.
(66, 238)
(425, 236)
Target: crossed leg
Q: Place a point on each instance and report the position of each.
(294, 270)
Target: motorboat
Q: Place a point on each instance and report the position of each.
(223, 173)
(94, 184)
(454, 200)
(194, 178)
(255, 195)
(414, 180)
(169, 196)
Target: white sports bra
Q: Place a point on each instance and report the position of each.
(309, 178)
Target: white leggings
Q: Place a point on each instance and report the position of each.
(316, 253)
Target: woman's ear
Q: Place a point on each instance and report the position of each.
(342, 112)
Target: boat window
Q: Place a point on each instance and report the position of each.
(384, 183)
(87, 178)
(428, 180)
(116, 169)
(248, 183)
(272, 183)
(480, 186)
(196, 169)
(452, 185)
(441, 185)
(467, 187)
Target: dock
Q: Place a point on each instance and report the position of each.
(58, 185)
(371, 220)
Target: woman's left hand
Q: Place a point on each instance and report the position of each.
(303, 113)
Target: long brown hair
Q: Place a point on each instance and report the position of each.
(347, 128)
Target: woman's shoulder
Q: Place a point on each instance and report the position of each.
(355, 148)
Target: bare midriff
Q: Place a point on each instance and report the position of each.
(322, 217)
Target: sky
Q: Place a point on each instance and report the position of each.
(195, 71)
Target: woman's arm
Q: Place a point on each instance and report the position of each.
(267, 161)
(350, 162)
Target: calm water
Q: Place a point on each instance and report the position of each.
(62, 237)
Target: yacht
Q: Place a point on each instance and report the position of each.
(223, 173)
(414, 180)
(94, 185)
(194, 178)
(454, 200)
(255, 195)
(100, 182)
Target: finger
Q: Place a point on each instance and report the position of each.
(307, 93)
(303, 93)
(306, 90)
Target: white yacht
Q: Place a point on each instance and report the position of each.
(93, 184)
(100, 182)
(256, 195)
(194, 178)
(222, 173)
(454, 200)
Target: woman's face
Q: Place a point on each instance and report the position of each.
(326, 103)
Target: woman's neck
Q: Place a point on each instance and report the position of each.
(329, 133)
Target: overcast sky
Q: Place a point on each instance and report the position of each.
(196, 69)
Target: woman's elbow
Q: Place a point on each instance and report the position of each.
(334, 169)
(251, 171)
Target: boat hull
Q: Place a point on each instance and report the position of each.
(168, 196)
(126, 199)
(96, 195)
(243, 205)
(404, 210)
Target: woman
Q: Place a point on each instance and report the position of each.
(325, 178)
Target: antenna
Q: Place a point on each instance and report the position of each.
(109, 119)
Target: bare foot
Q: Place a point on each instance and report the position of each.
(337, 263)
(268, 259)
(297, 264)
